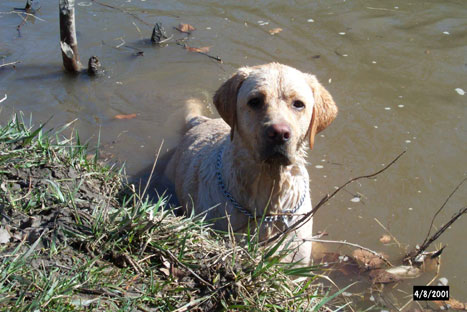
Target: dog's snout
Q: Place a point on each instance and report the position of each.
(278, 133)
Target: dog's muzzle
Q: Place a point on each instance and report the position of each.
(275, 150)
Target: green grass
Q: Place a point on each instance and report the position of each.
(83, 238)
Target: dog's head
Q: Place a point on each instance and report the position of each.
(274, 110)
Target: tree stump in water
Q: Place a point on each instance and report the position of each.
(68, 41)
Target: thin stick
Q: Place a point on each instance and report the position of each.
(441, 208)
(173, 257)
(457, 215)
(8, 64)
(4, 98)
(152, 170)
(390, 234)
(351, 244)
(326, 198)
(183, 44)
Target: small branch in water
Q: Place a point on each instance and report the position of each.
(393, 237)
(351, 244)
(413, 255)
(324, 200)
(441, 208)
(9, 64)
(4, 98)
(183, 44)
(429, 240)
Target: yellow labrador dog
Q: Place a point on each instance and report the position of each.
(248, 168)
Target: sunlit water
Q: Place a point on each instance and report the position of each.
(393, 68)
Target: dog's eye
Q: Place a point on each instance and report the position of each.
(255, 102)
(298, 105)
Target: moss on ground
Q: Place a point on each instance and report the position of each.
(75, 236)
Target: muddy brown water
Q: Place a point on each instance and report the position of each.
(393, 68)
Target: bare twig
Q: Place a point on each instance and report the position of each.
(152, 170)
(173, 257)
(353, 245)
(441, 208)
(325, 199)
(25, 13)
(4, 98)
(390, 234)
(411, 256)
(9, 64)
(183, 44)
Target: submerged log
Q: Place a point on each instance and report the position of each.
(68, 41)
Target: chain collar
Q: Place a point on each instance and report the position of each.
(286, 214)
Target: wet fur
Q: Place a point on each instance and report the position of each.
(253, 181)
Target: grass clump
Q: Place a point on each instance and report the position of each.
(74, 236)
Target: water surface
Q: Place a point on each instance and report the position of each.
(391, 66)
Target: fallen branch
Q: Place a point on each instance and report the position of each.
(4, 98)
(184, 45)
(353, 245)
(441, 208)
(324, 200)
(413, 255)
(9, 64)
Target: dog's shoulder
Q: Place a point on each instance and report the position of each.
(206, 130)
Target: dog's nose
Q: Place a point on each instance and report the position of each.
(278, 133)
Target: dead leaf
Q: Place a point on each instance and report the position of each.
(381, 276)
(275, 31)
(165, 271)
(122, 116)
(452, 304)
(185, 28)
(405, 271)
(385, 239)
(4, 236)
(367, 259)
(200, 50)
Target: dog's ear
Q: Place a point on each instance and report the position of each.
(225, 98)
(324, 110)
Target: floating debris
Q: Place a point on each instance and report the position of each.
(275, 30)
(319, 167)
(446, 32)
(355, 199)
(185, 28)
(342, 33)
(442, 281)
(400, 105)
(84, 4)
(385, 239)
(460, 91)
(387, 108)
(408, 141)
(310, 20)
